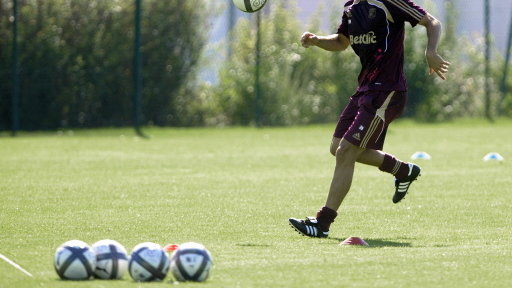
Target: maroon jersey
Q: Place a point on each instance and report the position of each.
(375, 29)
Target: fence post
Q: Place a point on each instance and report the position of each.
(137, 77)
(487, 60)
(257, 84)
(231, 25)
(15, 97)
(503, 85)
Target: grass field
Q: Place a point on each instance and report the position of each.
(233, 190)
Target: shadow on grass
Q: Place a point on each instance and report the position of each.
(387, 243)
(379, 243)
(252, 245)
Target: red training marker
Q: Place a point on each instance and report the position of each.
(354, 241)
(170, 247)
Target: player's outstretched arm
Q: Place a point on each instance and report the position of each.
(334, 42)
(435, 62)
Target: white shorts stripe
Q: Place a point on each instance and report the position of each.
(370, 132)
(381, 112)
(380, 115)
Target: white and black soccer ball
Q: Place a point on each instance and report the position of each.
(111, 259)
(250, 6)
(148, 262)
(191, 262)
(74, 260)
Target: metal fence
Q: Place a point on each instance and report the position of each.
(471, 18)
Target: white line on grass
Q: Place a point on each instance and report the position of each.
(15, 265)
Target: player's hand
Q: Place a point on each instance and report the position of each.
(308, 39)
(437, 64)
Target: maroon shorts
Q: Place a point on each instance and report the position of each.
(365, 119)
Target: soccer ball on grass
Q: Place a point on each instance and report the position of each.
(111, 259)
(148, 262)
(191, 262)
(74, 260)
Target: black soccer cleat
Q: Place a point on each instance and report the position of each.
(402, 186)
(308, 227)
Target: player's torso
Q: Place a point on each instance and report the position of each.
(369, 28)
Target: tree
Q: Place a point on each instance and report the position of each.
(76, 61)
(298, 85)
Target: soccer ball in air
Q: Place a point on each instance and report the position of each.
(111, 259)
(250, 6)
(191, 262)
(148, 262)
(74, 260)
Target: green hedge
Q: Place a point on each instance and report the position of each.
(76, 68)
(76, 61)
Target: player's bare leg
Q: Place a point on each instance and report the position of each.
(405, 173)
(368, 156)
(346, 157)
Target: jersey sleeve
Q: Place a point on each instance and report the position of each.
(405, 10)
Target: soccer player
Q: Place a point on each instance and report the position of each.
(375, 31)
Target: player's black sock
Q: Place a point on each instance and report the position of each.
(325, 216)
(394, 166)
